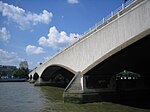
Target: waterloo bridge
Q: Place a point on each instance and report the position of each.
(87, 69)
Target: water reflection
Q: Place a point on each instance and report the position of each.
(55, 104)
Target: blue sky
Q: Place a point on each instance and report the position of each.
(35, 30)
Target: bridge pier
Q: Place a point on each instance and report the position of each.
(77, 92)
(74, 91)
(86, 89)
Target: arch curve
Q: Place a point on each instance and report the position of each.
(57, 75)
(35, 76)
(64, 67)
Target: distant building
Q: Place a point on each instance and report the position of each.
(6, 71)
(23, 64)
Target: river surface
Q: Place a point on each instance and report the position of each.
(25, 97)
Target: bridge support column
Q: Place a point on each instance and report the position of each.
(41, 82)
(77, 92)
(74, 91)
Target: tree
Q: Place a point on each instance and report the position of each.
(26, 73)
(20, 73)
(1, 74)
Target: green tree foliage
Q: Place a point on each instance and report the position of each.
(26, 73)
(20, 73)
(1, 74)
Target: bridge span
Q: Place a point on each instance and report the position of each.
(88, 67)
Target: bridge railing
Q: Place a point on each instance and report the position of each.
(108, 17)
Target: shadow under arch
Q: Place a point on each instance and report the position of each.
(135, 58)
(35, 76)
(57, 75)
(64, 67)
(30, 77)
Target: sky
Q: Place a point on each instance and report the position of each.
(35, 30)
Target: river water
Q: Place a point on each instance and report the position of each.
(25, 97)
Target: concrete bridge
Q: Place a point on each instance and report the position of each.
(88, 68)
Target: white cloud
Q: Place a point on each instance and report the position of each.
(73, 1)
(22, 18)
(9, 58)
(4, 34)
(30, 49)
(57, 39)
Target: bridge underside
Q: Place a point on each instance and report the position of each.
(55, 76)
(100, 83)
(135, 58)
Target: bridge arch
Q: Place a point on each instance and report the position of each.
(35, 76)
(57, 75)
(64, 67)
